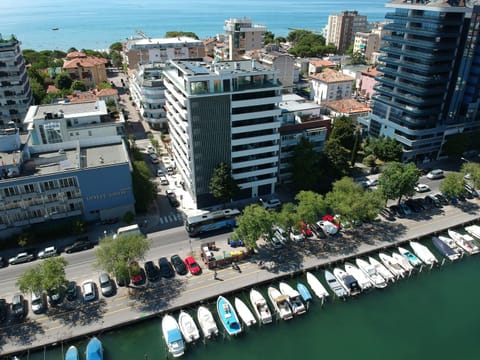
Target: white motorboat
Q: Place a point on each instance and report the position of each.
(173, 337)
(412, 259)
(392, 265)
(404, 263)
(382, 270)
(363, 280)
(294, 298)
(452, 244)
(466, 242)
(317, 286)
(473, 230)
(260, 307)
(445, 249)
(207, 322)
(280, 303)
(337, 288)
(423, 253)
(369, 270)
(348, 281)
(188, 327)
(244, 312)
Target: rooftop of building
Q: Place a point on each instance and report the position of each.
(66, 110)
(322, 63)
(296, 103)
(132, 43)
(84, 62)
(196, 67)
(431, 3)
(331, 76)
(372, 72)
(92, 95)
(345, 106)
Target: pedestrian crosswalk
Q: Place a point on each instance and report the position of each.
(170, 218)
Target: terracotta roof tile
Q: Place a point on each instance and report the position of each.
(331, 76)
(52, 89)
(76, 54)
(87, 62)
(321, 62)
(347, 106)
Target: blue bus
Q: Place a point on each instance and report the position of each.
(211, 220)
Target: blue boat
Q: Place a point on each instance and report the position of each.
(72, 353)
(303, 290)
(228, 316)
(445, 249)
(94, 349)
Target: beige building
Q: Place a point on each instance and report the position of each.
(341, 29)
(243, 36)
(368, 43)
(330, 85)
(90, 70)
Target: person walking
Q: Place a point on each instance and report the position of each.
(215, 274)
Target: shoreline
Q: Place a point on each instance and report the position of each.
(248, 278)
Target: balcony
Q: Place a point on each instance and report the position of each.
(256, 139)
(255, 102)
(255, 162)
(409, 87)
(428, 45)
(256, 114)
(257, 127)
(416, 30)
(420, 19)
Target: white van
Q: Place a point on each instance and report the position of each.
(435, 174)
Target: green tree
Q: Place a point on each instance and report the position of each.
(77, 85)
(105, 85)
(46, 276)
(338, 156)
(398, 180)
(63, 81)
(306, 43)
(115, 255)
(453, 184)
(304, 165)
(254, 222)
(344, 131)
(116, 46)
(384, 148)
(287, 217)
(369, 160)
(170, 34)
(268, 37)
(222, 185)
(357, 58)
(310, 206)
(143, 188)
(474, 170)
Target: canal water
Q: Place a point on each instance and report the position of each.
(432, 315)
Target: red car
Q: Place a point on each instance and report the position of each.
(305, 229)
(192, 265)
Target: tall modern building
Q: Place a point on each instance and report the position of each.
(224, 112)
(15, 93)
(243, 36)
(341, 29)
(430, 83)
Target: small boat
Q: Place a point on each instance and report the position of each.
(412, 259)
(260, 307)
(94, 349)
(280, 303)
(362, 279)
(55, 29)
(348, 281)
(207, 322)
(337, 288)
(392, 265)
(304, 292)
(188, 327)
(382, 270)
(317, 286)
(403, 261)
(473, 230)
(295, 300)
(452, 244)
(228, 316)
(445, 249)
(423, 253)
(72, 353)
(369, 270)
(244, 312)
(172, 335)
(466, 242)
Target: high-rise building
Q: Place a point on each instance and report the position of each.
(243, 36)
(430, 85)
(15, 93)
(341, 29)
(226, 112)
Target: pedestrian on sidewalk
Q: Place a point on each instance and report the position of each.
(215, 274)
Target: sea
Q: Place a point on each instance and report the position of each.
(431, 315)
(93, 24)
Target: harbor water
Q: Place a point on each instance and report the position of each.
(431, 315)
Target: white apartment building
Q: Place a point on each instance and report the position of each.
(368, 43)
(224, 112)
(57, 123)
(330, 85)
(243, 36)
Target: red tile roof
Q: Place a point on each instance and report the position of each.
(321, 62)
(87, 62)
(331, 76)
(52, 89)
(347, 106)
(75, 54)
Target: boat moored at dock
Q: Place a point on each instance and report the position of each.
(466, 242)
(369, 270)
(260, 307)
(244, 312)
(392, 265)
(452, 244)
(280, 303)
(412, 259)
(294, 298)
(445, 248)
(317, 287)
(423, 253)
(362, 279)
(402, 261)
(172, 335)
(337, 288)
(348, 282)
(473, 230)
(188, 327)
(228, 316)
(72, 353)
(304, 292)
(381, 269)
(207, 322)
(94, 349)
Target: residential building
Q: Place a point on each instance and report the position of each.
(368, 43)
(283, 62)
(227, 112)
(148, 93)
(58, 123)
(15, 93)
(354, 71)
(94, 95)
(155, 50)
(341, 29)
(316, 66)
(90, 70)
(243, 36)
(429, 89)
(346, 107)
(330, 85)
(367, 83)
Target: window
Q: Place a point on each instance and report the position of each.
(28, 188)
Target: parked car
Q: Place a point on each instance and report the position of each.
(387, 214)
(47, 252)
(397, 210)
(37, 302)
(172, 198)
(164, 180)
(422, 188)
(178, 264)
(406, 209)
(55, 295)
(154, 158)
(21, 258)
(276, 242)
(296, 235)
(151, 149)
(443, 200)
(17, 307)
(138, 276)
(79, 245)
(471, 190)
(435, 174)
(317, 230)
(433, 201)
(328, 227)
(413, 205)
(170, 170)
(280, 234)
(3, 310)
(192, 265)
(151, 271)
(106, 286)
(160, 173)
(271, 204)
(305, 229)
(89, 290)
(166, 269)
(71, 291)
(2, 262)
